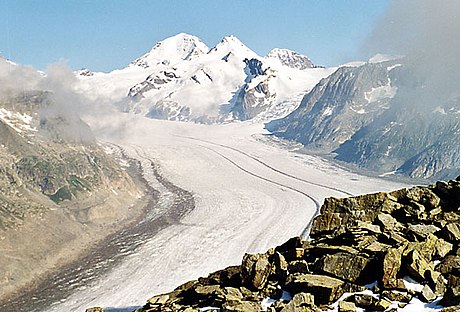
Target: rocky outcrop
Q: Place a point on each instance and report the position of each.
(370, 252)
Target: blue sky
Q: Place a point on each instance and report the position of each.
(107, 34)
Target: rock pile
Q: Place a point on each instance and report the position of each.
(377, 252)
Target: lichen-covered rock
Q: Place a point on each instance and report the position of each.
(391, 267)
(346, 266)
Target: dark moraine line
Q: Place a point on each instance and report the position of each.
(100, 259)
(306, 230)
(271, 167)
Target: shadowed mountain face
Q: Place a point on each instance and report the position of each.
(368, 116)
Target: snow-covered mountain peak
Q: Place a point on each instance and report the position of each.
(232, 45)
(176, 48)
(290, 58)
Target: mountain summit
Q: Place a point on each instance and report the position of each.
(179, 47)
(180, 78)
(291, 58)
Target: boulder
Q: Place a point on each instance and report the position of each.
(230, 276)
(451, 297)
(159, 299)
(242, 306)
(417, 266)
(345, 306)
(280, 267)
(364, 301)
(451, 232)
(381, 305)
(299, 266)
(387, 222)
(95, 309)
(397, 295)
(423, 230)
(255, 270)
(427, 295)
(346, 266)
(450, 264)
(206, 291)
(325, 289)
(391, 267)
(300, 302)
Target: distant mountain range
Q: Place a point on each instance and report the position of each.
(183, 79)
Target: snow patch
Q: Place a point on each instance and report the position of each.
(328, 111)
(19, 122)
(383, 92)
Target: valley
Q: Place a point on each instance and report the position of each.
(248, 197)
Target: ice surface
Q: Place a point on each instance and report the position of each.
(249, 196)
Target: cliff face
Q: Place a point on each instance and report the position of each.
(373, 252)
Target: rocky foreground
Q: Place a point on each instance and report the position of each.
(377, 252)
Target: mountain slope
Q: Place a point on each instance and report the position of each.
(55, 180)
(371, 116)
(182, 79)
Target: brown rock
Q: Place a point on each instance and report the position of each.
(364, 301)
(423, 230)
(396, 295)
(159, 299)
(325, 289)
(376, 247)
(391, 267)
(95, 309)
(451, 232)
(300, 302)
(243, 306)
(427, 295)
(345, 266)
(387, 222)
(280, 267)
(449, 264)
(381, 305)
(299, 266)
(345, 306)
(206, 291)
(451, 309)
(294, 254)
(230, 276)
(451, 297)
(417, 266)
(255, 270)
